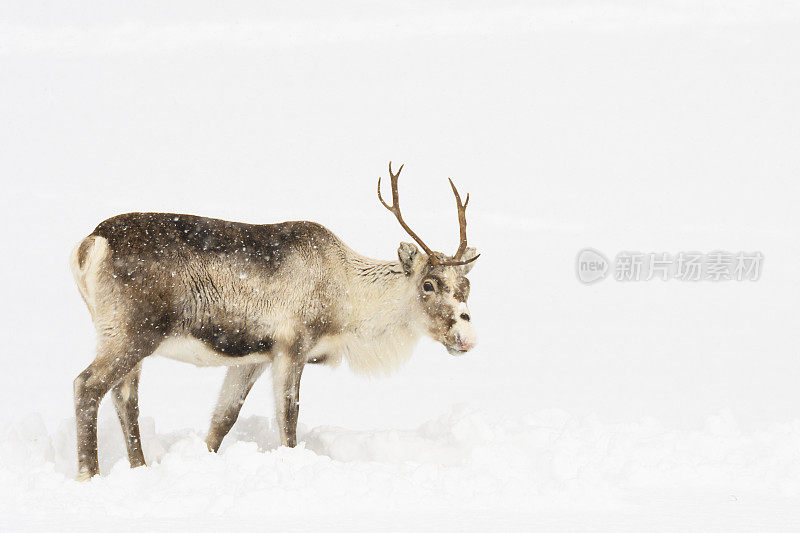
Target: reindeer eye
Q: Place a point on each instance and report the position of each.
(427, 286)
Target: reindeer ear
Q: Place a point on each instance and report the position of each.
(469, 253)
(410, 258)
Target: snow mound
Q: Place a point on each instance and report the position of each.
(467, 467)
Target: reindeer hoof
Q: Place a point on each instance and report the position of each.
(83, 476)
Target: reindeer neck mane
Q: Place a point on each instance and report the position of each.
(384, 322)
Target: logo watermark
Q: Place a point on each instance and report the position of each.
(592, 266)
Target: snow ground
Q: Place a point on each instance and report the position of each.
(624, 407)
(466, 470)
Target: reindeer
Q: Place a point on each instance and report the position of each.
(245, 296)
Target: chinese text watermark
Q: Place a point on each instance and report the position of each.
(592, 266)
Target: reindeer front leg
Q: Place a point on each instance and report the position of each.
(286, 371)
(238, 382)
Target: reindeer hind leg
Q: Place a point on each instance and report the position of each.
(116, 357)
(126, 401)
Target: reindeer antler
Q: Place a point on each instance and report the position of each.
(462, 227)
(462, 221)
(395, 208)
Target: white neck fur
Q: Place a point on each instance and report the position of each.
(383, 321)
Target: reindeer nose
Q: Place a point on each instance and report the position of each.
(463, 344)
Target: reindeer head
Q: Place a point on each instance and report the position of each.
(439, 280)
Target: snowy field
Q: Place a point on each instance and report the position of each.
(638, 406)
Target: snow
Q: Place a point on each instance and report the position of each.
(467, 469)
(614, 125)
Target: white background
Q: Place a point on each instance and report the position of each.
(667, 128)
